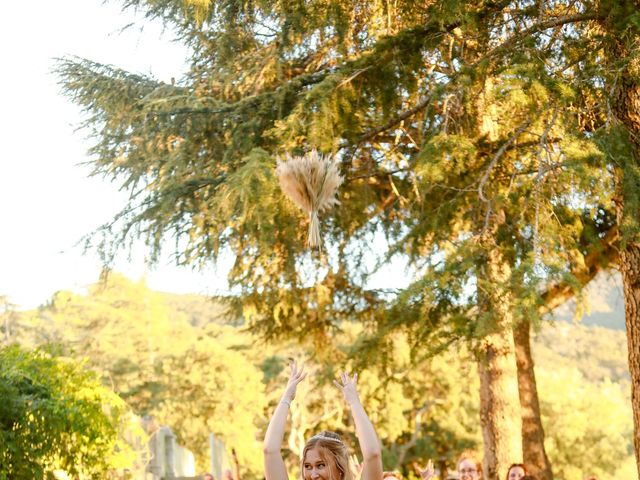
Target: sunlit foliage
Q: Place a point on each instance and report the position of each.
(191, 379)
(55, 415)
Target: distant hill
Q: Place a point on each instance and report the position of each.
(596, 344)
(599, 353)
(200, 310)
(603, 303)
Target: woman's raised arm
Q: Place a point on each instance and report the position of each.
(274, 467)
(367, 437)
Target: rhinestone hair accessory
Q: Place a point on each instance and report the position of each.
(321, 436)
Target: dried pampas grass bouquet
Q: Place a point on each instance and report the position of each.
(312, 182)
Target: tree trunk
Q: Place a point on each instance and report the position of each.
(630, 267)
(534, 453)
(597, 258)
(622, 51)
(500, 416)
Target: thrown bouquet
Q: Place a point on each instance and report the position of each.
(312, 182)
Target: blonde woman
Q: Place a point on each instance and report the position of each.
(325, 456)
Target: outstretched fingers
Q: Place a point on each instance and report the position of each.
(297, 373)
(426, 473)
(347, 386)
(356, 467)
(346, 380)
(342, 383)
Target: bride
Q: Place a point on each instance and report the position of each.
(325, 456)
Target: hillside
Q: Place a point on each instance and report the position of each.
(595, 345)
(602, 303)
(599, 353)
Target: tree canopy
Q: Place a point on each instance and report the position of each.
(188, 378)
(451, 121)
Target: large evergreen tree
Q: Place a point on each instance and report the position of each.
(461, 131)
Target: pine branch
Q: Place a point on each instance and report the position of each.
(399, 118)
(508, 43)
(497, 157)
(485, 176)
(536, 28)
(253, 101)
(540, 175)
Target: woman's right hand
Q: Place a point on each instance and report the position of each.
(425, 473)
(296, 375)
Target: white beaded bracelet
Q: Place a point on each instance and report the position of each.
(287, 402)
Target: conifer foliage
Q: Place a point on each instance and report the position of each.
(444, 117)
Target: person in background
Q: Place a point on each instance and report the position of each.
(469, 467)
(427, 472)
(391, 475)
(516, 471)
(356, 468)
(208, 476)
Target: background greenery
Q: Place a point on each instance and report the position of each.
(176, 358)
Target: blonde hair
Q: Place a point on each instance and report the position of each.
(329, 444)
(392, 474)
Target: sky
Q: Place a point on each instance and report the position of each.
(48, 202)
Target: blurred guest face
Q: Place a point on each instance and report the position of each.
(515, 473)
(467, 470)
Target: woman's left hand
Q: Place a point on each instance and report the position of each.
(348, 387)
